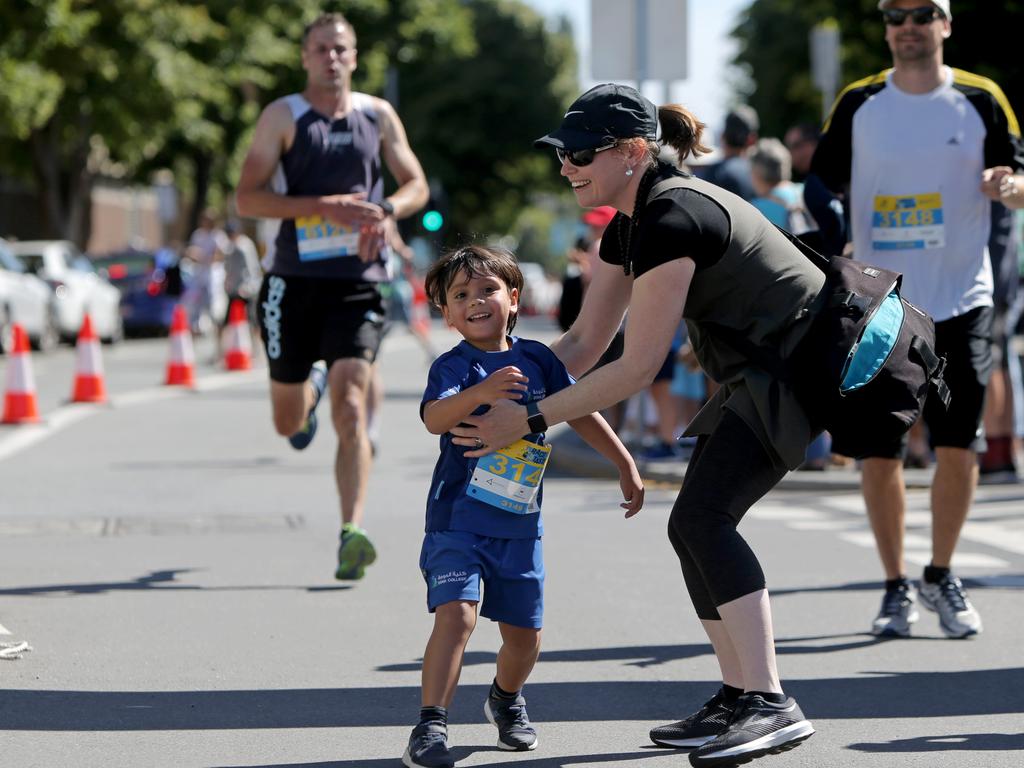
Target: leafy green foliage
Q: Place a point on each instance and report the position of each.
(124, 87)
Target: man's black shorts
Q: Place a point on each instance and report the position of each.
(305, 319)
(966, 343)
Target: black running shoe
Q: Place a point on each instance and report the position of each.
(509, 716)
(757, 728)
(428, 747)
(318, 379)
(700, 727)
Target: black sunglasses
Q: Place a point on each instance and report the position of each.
(581, 157)
(895, 17)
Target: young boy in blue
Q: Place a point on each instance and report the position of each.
(483, 515)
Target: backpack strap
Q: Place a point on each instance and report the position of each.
(934, 366)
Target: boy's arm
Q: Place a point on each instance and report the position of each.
(443, 414)
(596, 432)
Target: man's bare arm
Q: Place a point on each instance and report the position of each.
(412, 192)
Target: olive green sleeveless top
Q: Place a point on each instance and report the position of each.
(767, 290)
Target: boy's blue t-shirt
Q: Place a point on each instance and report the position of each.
(449, 507)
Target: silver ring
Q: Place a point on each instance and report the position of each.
(479, 443)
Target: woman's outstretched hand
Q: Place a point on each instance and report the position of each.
(503, 424)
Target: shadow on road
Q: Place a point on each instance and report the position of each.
(155, 581)
(872, 695)
(975, 742)
(653, 655)
(461, 753)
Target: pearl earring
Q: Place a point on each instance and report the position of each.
(629, 171)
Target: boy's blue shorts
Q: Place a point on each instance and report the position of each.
(456, 563)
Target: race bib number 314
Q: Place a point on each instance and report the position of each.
(509, 479)
(908, 222)
(320, 239)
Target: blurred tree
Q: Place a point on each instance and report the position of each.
(472, 121)
(87, 90)
(125, 87)
(774, 51)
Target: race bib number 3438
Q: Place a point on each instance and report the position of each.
(320, 239)
(908, 222)
(509, 479)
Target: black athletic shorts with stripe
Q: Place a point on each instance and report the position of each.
(966, 343)
(305, 319)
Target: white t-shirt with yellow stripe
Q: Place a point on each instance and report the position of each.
(914, 178)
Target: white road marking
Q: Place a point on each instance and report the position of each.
(845, 515)
(4, 630)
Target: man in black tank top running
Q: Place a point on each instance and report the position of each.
(315, 166)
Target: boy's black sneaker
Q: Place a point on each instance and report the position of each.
(700, 727)
(428, 747)
(509, 716)
(757, 728)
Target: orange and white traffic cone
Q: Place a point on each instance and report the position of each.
(181, 367)
(238, 356)
(20, 406)
(89, 385)
(420, 314)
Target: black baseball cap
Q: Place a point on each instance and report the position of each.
(602, 114)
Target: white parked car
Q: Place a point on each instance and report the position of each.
(26, 300)
(77, 287)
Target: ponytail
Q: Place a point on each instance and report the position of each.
(681, 130)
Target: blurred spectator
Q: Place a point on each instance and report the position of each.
(801, 140)
(998, 462)
(778, 198)
(738, 136)
(206, 249)
(242, 275)
(581, 260)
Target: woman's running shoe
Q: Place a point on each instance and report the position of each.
(700, 727)
(757, 728)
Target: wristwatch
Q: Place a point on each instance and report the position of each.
(534, 418)
(387, 207)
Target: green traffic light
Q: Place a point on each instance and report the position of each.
(433, 221)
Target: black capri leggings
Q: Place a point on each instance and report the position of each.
(728, 472)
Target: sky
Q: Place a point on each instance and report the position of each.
(707, 90)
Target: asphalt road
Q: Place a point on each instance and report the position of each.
(170, 560)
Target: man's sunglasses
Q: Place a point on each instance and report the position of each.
(581, 157)
(895, 17)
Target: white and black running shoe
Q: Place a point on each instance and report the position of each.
(898, 612)
(515, 732)
(757, 728)
(700, 727)
(948, 598)
(428, 747)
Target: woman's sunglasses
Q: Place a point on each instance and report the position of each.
(895, 17)
(581, 157)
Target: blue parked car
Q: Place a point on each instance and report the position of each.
(151, 284)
